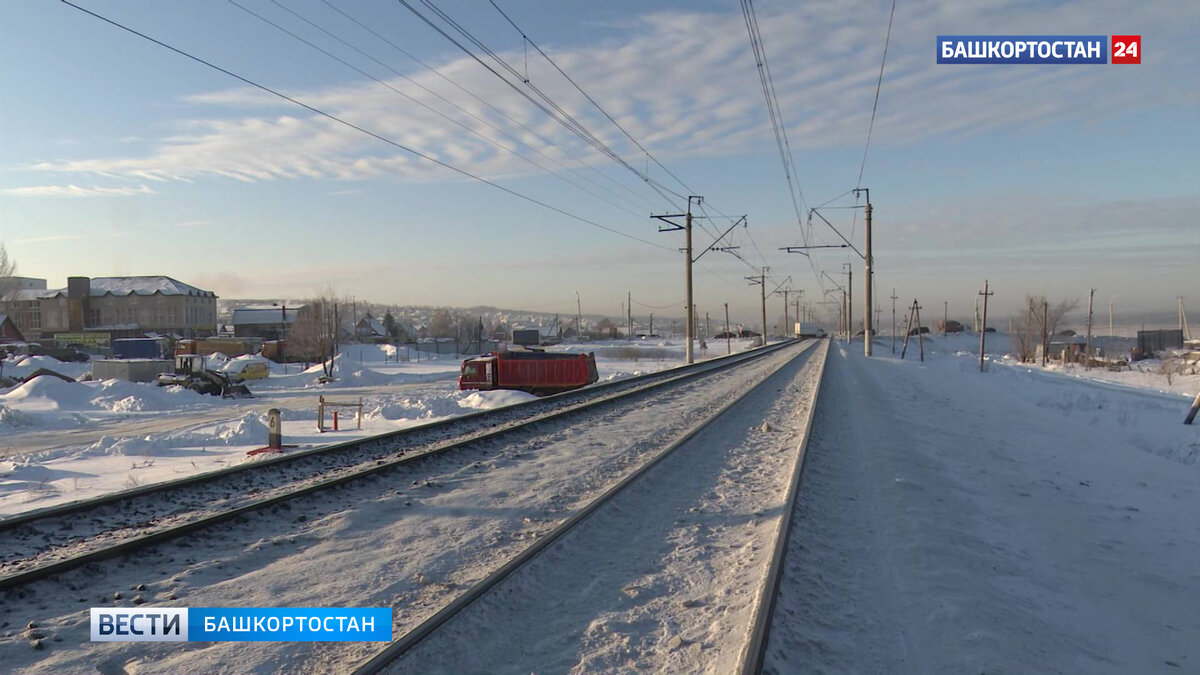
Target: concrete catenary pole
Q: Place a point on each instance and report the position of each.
(1087, 347)
(763, 283)
(867, 324)
(728, 347)
(983, 329)
(894, 296)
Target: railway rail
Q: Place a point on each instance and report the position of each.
(749, 654)
(40, 544)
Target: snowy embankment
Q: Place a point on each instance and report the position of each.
(955, 521)
(65, 441)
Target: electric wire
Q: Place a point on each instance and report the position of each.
(476, 132)
(360, 129)
(546, 104)
(589, 98)
(499, 111)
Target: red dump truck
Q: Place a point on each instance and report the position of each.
(536, 372)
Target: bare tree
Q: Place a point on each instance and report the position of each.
(442, 324)
(317, 330)
(1028, 324)
(8, 270)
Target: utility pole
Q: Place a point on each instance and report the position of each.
(1087, 349)
(578, 318)
(894, 296)
(945, 316)
(867, 263)
(629, 317)
(1110, 315)
(690, 319)
(728, 347)
(983, 331)
(849, 302)
(784, 292)
(761, 280)
(651, 323)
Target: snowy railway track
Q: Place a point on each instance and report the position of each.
(541, 610)
(49, 541)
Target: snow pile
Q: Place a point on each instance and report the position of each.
(49, 393)
(249, 429)
(15, 418)
(416, 409)
(31, 364)
(486, 400)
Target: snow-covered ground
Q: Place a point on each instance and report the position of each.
(1008, 521)
(412, 541)
(64, 441)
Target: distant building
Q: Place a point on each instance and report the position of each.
(112, 307)
(269, 322)
(370, 330)
(9, 331)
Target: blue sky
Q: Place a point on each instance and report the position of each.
(120, 157)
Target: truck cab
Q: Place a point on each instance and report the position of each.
(478, 373)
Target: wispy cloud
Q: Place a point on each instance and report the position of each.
(77, 191)
(57, 237)
(685, 84)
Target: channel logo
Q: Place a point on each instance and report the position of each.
(1010, 49)
(242, 624)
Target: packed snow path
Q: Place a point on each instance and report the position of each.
(953, 521)
(413, 542)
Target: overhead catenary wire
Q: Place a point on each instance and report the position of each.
(591, 100)
(499, 111)
(779, 128)
(351, 125)
(547, 105)
(468, 129)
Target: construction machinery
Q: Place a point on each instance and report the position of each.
(192, 372)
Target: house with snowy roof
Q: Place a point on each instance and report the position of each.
(269, 322)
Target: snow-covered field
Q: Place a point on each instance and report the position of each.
(1008, 521)
(64, 441)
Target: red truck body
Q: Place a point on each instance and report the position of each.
(536, 372)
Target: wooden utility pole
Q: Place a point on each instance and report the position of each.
(1087, 348)
(894, 296)
(983, 330)
(945, 316)
(728, 348)
(1110, 315)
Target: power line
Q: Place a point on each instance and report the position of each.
(510, 150)
(878, 86)
(546, 104)
(362, 130)
(499, 111)
(590, 99)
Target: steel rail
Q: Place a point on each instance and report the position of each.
(751, 661)
(69, 508)
(427, 627)
(132, 544)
